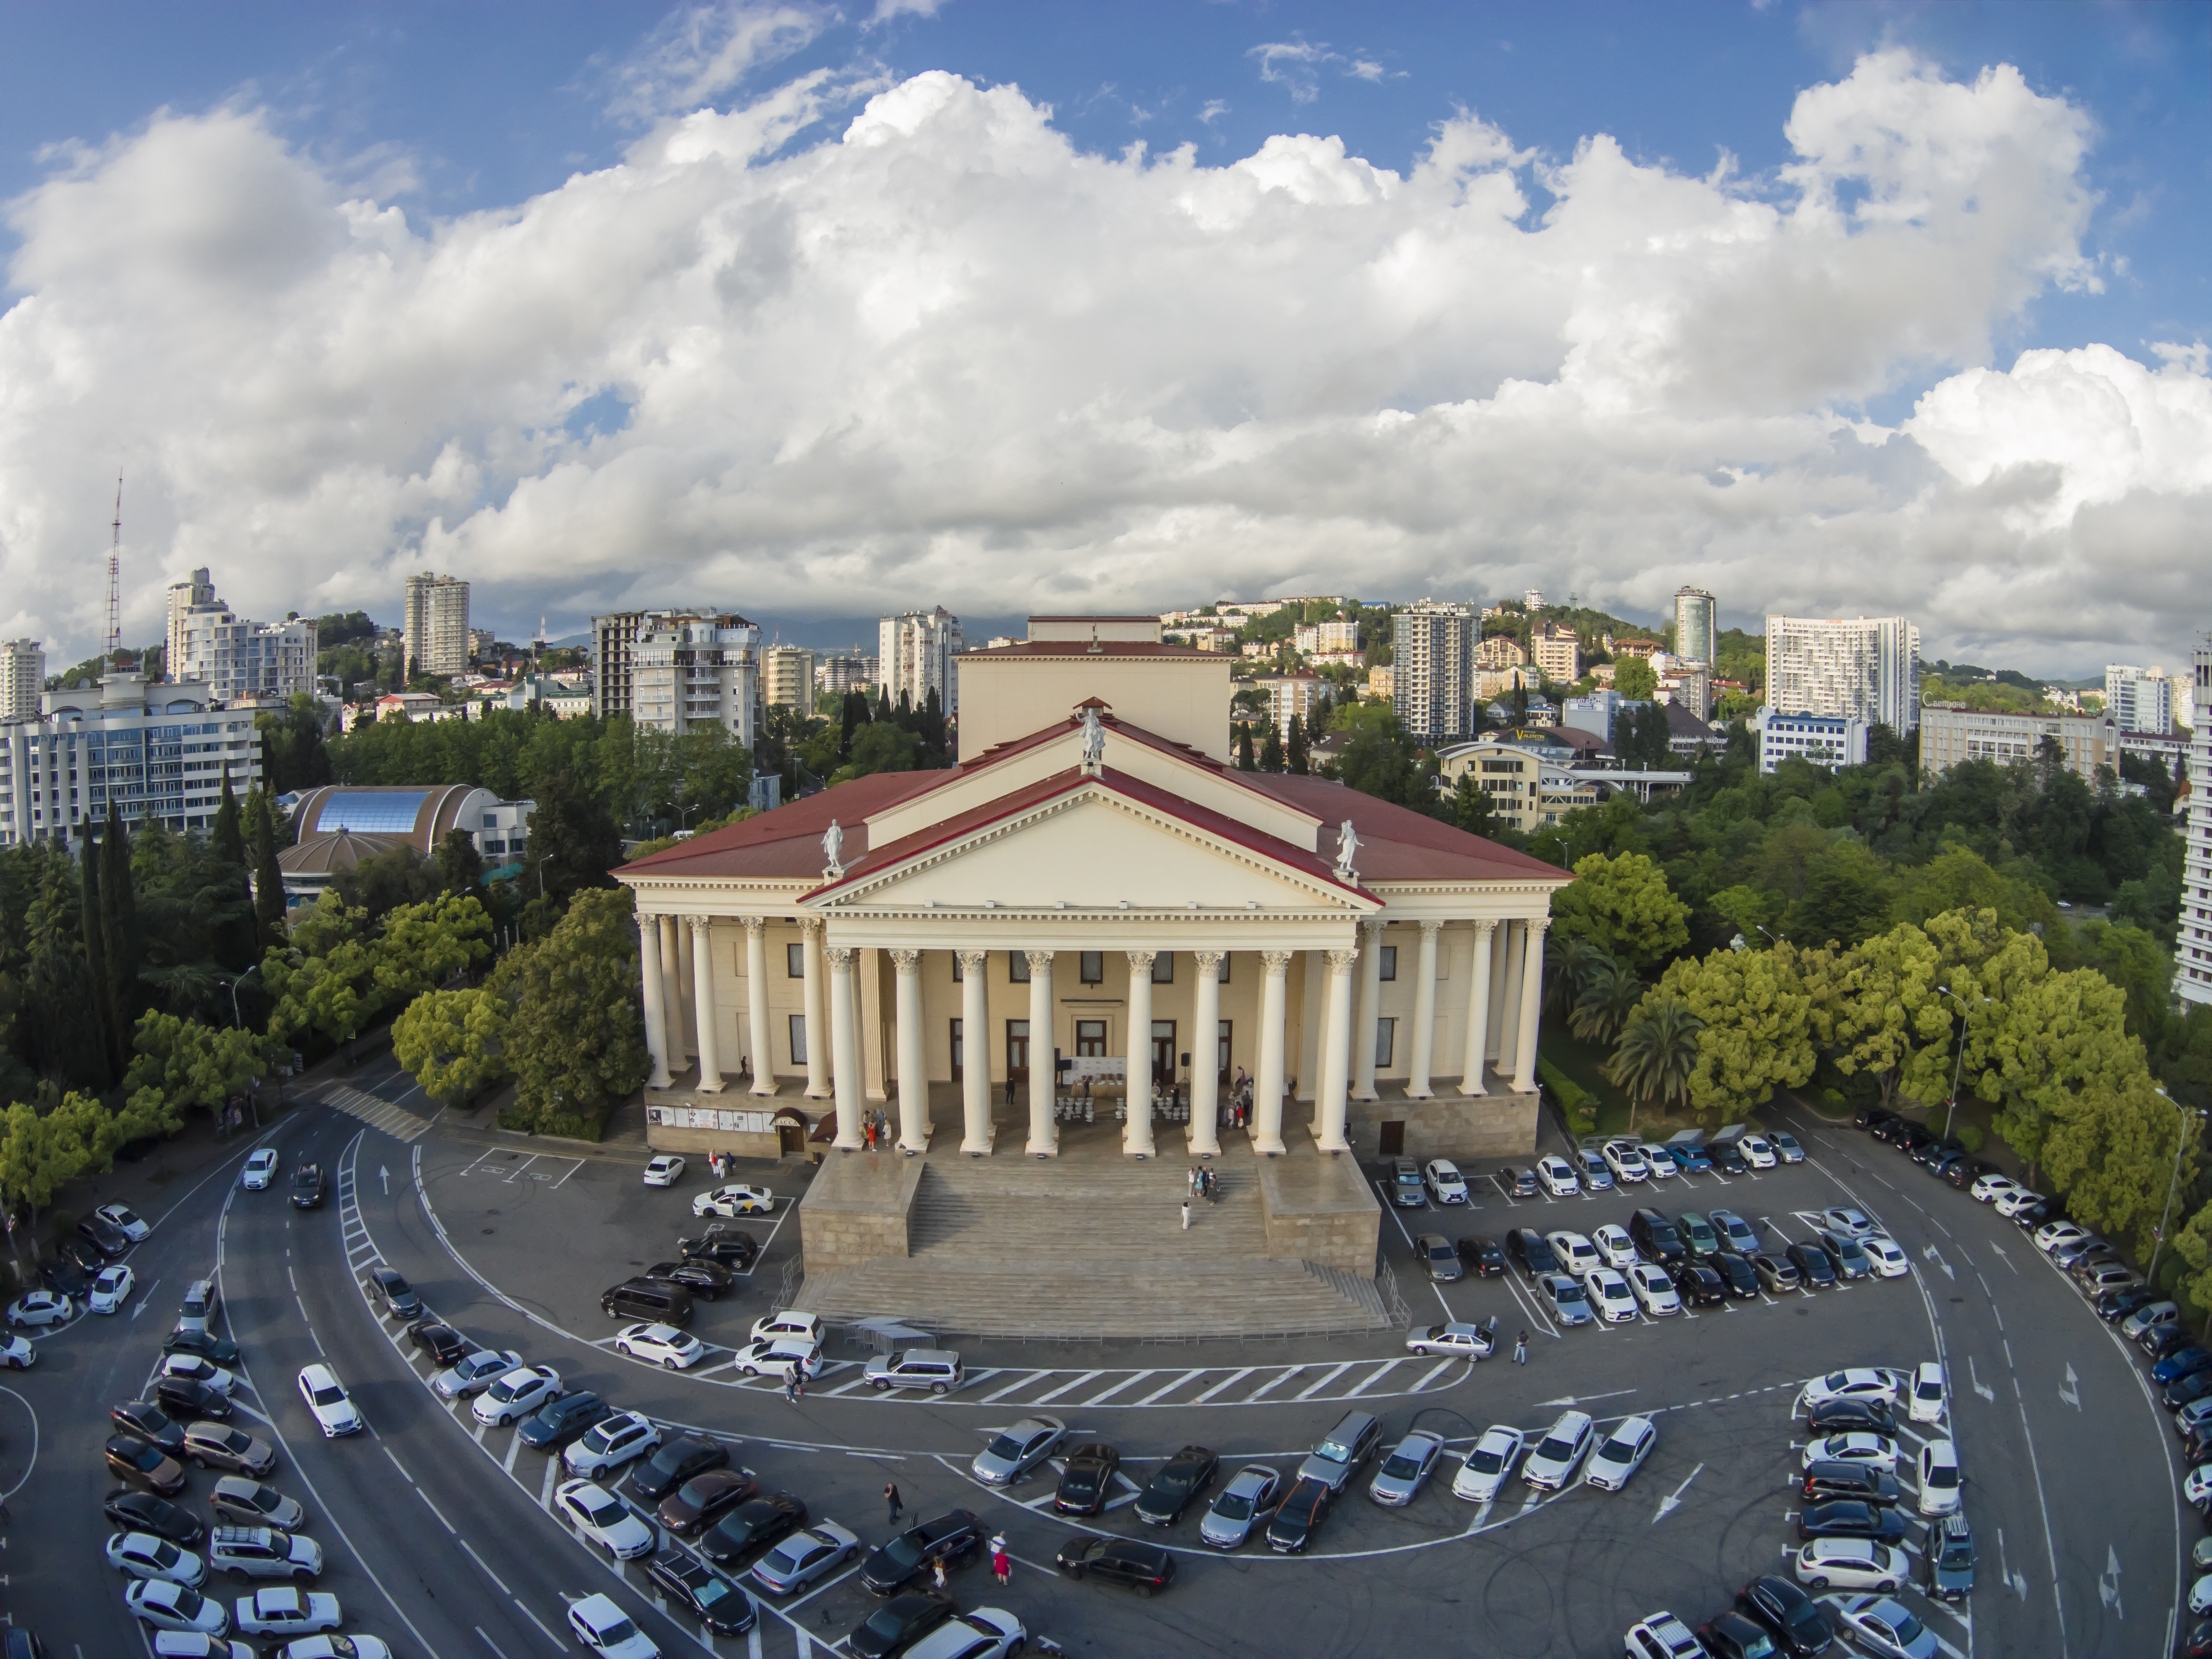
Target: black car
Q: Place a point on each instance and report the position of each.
(1910, 1138)
(1699, 1286)
(1298, 1516)
(1932, 1154)
(675, 1463)
(901, 1622)
(1949, 1559)
(215, 1350)
(307, 1186)
(1482, 1256)
(63, 1277)
(560, 1421)
(1737, 1274)
(1086, 1479)
(1886, 1127)
(1654, 1237)
(1727, 1158)
(105, 1236)
(141, 1511)
(1872, 1118)
(2159, 1341)
(953, 1537)
(1529, 1249)
(1811, 1264)
(2116, 1305)
(1777, 1277)
(709, 1597)
(1144, 1568)
(2183, 1389)
(1793, 1618)
(1852, 1517)
(1732, 1636)
(192, 1401)
(706, 1498)
(702, 1278)
(81, 1256)
(143, 1465)
(732, 1246)
(1827, 1479)
(1180, 1479)
(446, 1346)
(144, 1419)
(2029, 1217)
(1964, 1172)
(1851, 1417)
(754, 1526)
(389, 1289)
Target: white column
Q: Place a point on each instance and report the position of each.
(671, 994)
(1501, 969)
(1425, 1015)
(1268, 1088)
(820, 1041)
(1137, 1138)
(702, 999)
(1477, 1010)
(1044, 1133)
(685, 980)
(1532, 998)
(975, 1051)
(912, 1068)
(845, 1044)
(1335, 1045)
(649, 982)
(1205, 1050)
(1365, 1027)
(1509, 1017)
(756, 1014)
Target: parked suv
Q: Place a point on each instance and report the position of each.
(246, 1553)
(1531, 1251)
(1407, 1191)
(1654, 1237)
(937, 1370)
(203, 1302)
(648, 1299)
(1343, 1449)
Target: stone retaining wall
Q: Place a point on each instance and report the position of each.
(1454, 1126)
(856, 1210)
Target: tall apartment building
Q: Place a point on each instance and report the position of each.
(1287, 696)
(1499, 651)
(436, 628)
(1558, 651)
(846, 673)
(788, 677)
(913, 655)
(1313, 638)
(185, 597)
(22, 677)
(1952, 732)
(1696, 625)
(1432, 663)
(688, 671)
(237, 659)
(2192, 955)
(2139, 700)
(1865, 668)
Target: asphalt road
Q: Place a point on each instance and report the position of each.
(438, 1539)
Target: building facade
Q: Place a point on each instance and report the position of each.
(1951, 733)
(22, 678)
(1291, 697)
(337, 826)
(1696, 625)
(153, 751)
(1558, 651)
(1528, 785)
(840, 675)
(687, 672)
(914, 655)
(2139, 700)
(237, 659)
(788, 677)
(1864, 668)
(1824, 740)
(1313, 638)
(2192, 955)
(436, 626)
(195, 592)
(1432, 668)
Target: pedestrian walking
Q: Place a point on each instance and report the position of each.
(791, 1389)
(1186, 1215)
(938, 1572)
(892, 1497)
(1521, 1350)
(1002, 1564)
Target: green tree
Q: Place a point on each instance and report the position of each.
(1610, 995)
(1246, 761)
(1271, 749)
(454, 1042)
(2058, 1040)
(575, 1039)
(1297, 754)
(1846, 898)
(227, 838)
(2111, 1149)
(192, 1065)
(42, 1152)
(385, 881)
(1756, 1031)
(268, 878)
(1623, 907)
(424, 946)
(121, 941)
(293, 754)
(1878, 1007)
(574, 841)
(1473, 810)
(92, 932)
(1381, 759)
(460, 867)
(879, 746)
(1635, 679)
(1658, 1054)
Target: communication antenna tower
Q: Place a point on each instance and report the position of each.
(115, 580)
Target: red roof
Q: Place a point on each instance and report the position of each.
(1092, 648)
(1397, 843)
(787, 844)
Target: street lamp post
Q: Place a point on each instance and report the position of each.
(2172, 1182)
(235, 980)
(1957, 1067)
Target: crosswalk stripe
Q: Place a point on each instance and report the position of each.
(396, 1121)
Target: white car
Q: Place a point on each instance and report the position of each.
(1653, 1289)
(193, 1368)
(165, 1606)
(790, 1323)
(1622, 1453)
(1859, 1382)
(17, 1353)
(260, 1169)
(1850, 1563)
(1925, 1401)
(610, 1443)
(604, 1628)
(1625, 1159)
(1489, 1464)
(1661, 1166)
(734, 1198)
(1557, 1176)
(111, 1289)
(473, 1373)
(1577, 1255)
(782, 1358)
(335, 1413)
(1757, 1152)
(805, 1557)
(663, 1170)
(1610, 1295)
(660, 1344)
(1446, 1184)
(1992, 1187)
(2052, 1234)
(516, 1395)
(1849, 1220)
(1887, 1628)
(282, 1610)
(2018, 1198)
(39, 1309)
(986, 1633)
(2200, 1595)
(1888, 1257)
(1661, 1636)
(1614, 1244)
(605, 1520)
(122, 1217)
(1552, 1463)
(2196, 1486)
(328, 1647)
(1939, 1478)
(197, 1644)
(141, 1555)
(1859, 1446)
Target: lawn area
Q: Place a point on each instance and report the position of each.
(1585, 1066)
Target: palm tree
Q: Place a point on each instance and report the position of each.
(1610, 995)
(1657, 1052)
(1569, 965)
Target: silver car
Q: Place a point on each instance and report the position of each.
(1405, 1471)
(1016, 1450)
(239, 1501)
(805, 1557)
(474, 1374)
(1245, 1503)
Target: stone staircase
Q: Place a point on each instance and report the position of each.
(1076, 1248)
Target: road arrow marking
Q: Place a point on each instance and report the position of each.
(2108, 1583)
(2000, 1249)
(1949, 1272)
(384, 1176)
(1980, 1386)
(2014, 1581)
(2071, 1393)
(1673, 1500)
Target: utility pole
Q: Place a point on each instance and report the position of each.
(115, 579)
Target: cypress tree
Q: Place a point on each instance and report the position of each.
(1298, 753)
(1244, 760)
(853, 713)
(119, 912)
(227, 840)
(1271, 752)
(94, 938)
(268, 879)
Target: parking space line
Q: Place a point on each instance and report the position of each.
(1233, 1377)
(1373, 1378)
(1287, 1373)
(1063, 1388)
(1015, 1387)
(1429, 1375)
(1131, 1380)
(1334, 1374)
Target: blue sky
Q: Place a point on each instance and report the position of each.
(445, 113)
